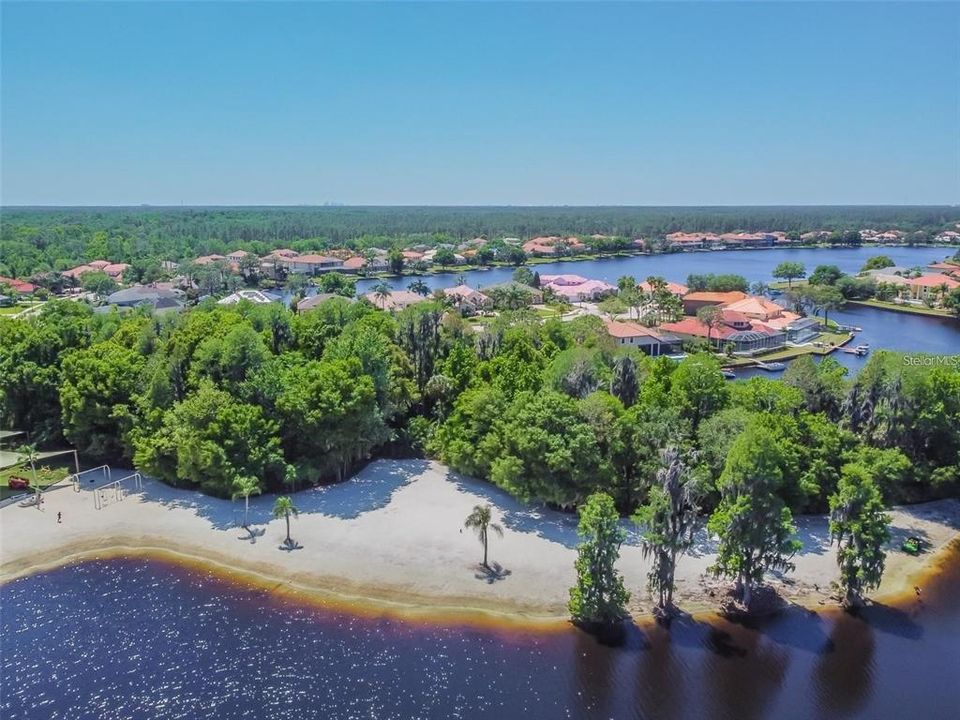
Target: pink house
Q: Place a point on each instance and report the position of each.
(574, 288)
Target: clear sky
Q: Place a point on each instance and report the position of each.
(644, 104)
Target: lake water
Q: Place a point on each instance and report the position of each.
(754, 265)
(879, 328)
(141, 638)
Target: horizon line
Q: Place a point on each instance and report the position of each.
(334, 206)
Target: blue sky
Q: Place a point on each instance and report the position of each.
(643, 104)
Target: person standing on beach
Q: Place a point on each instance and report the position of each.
(59, 516)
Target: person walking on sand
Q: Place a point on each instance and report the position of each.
(59, 516)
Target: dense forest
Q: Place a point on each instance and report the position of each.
(549, 411)
(44, 239)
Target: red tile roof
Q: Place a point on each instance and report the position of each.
(628, 329)
(934, 281)
(20, 286)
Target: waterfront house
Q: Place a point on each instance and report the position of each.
(946, 268)
(692, 241)
(696, 300)
(575, 288)
(747, 240)
(534, 295)
(465, 296)
(931, 287)
(553, 245)
(354, 264)
(758, 308)
(311, 264)
(315, 300)
(652, 341)
(395, 299)
(672, 287)
(744, 334)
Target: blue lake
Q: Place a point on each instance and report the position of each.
(134, 638)
(879, 328)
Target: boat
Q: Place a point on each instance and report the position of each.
(771, 366)
(729, 374)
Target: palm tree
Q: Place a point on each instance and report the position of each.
(284, 508)
(381, 291)
(479, 522)
(419, 287)
(30, 455)
(245, 486)
(711, 316)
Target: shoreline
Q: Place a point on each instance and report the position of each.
(535, 260)
(372, 602)
(388, 543)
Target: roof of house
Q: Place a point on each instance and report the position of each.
(715, 297)
(314, 259)
(98, 264)
(237, 254)
(140, 294)
(755, 306)
(354, 263)
(396, 299)
(115, 268)
(590, 287)
(207, 259)
(934, 281)
(318, 299)
(563, 279)
(465, 292)
(693, 326)
(732, 317)
(945, 267)
(20, 286)
(619, 329)
(78, 271)
(672, 287)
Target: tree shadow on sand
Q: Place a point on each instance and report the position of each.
(368, 490)
(494, 573)
(539, 520)
(252, 534)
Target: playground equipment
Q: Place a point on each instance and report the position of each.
(114, 491)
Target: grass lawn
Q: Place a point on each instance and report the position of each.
(915, 309)
(19, 307)
(48, 472)
(783, 285)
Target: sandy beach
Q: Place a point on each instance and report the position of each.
(392, 538)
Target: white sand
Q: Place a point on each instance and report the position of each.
(393, 534)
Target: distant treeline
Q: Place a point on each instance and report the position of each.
(40, 239)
